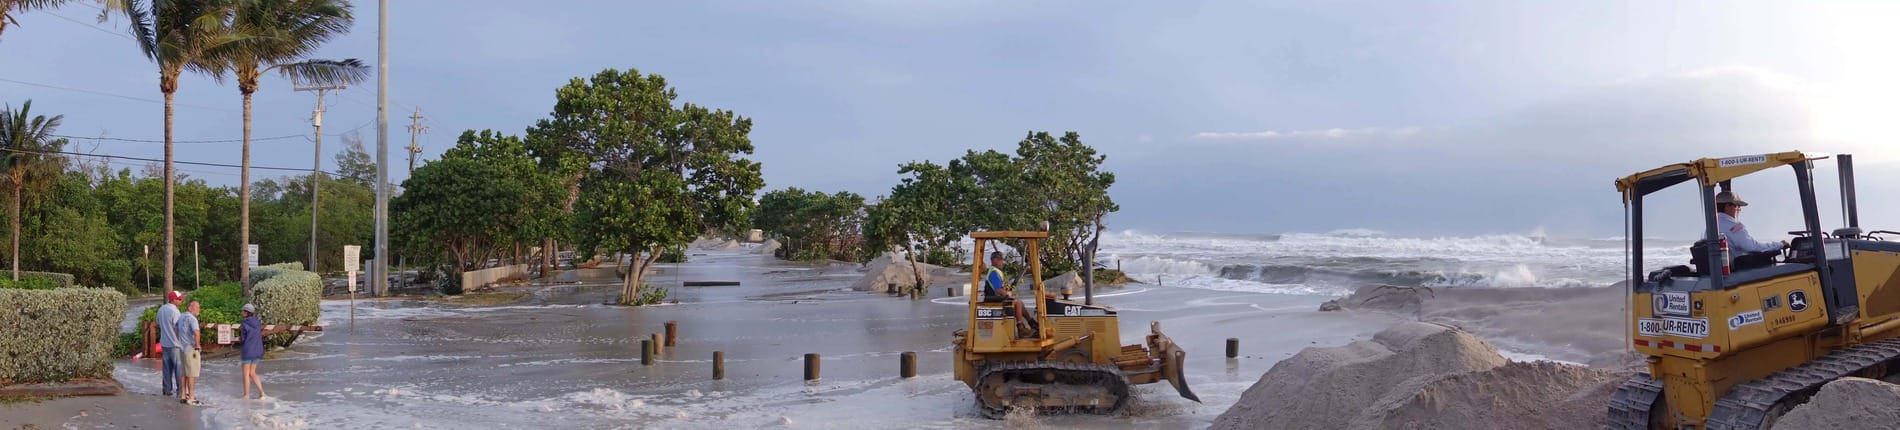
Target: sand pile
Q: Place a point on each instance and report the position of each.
(892, 268)
(1848, 403)
(1518, 395)
(1070, 280)
(1420, 375)
(1331, 387)
(715, 244)
(769, 247)
(1574, 324)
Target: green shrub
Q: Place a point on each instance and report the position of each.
(59, 280)
(672, 255)
(29, 283)
(650, 295)
(260, 273)
(57, 335)
(128, 344)
(291, 296)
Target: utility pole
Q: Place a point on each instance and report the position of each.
(316, 165)
(380, 272)
(415, 128)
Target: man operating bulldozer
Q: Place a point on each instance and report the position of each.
(994, 290)
(1749, 252)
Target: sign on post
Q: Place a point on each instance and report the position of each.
(352, 258)
(251, 250)
(352, 282)
(224, 334)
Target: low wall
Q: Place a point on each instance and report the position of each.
(478, 278)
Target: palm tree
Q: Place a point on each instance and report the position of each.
(179, 35)
(29, 157)
(281, 33)
(10, 8)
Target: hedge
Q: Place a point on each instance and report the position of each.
(60, 280)
(58, 335)
(288, 296)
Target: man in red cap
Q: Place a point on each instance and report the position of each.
(168, 340)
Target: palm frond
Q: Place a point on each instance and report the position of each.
(324, 72)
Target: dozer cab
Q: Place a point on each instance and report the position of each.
(1734, 343)
(1071, 361)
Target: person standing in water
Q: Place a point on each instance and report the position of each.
(251, 349)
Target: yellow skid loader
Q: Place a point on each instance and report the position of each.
(1735, 341)
(1073, 361)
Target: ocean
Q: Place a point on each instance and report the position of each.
(1338, 262)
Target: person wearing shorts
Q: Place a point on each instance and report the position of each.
(188, 336)
(251, 349)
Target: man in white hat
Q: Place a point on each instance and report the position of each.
(1728, 206)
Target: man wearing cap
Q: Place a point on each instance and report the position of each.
(1728, 206)
(251, 349)
(167, 320)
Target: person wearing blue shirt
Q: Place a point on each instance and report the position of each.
(251, 349)
(1728, 207)
(188, 342)
(171, 354)
(994, 290)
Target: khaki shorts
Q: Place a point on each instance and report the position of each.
(192, 363)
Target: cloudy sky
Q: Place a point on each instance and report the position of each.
(1418, 118)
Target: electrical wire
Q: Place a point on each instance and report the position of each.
(120, 139)
(102, 93)
(193, 163)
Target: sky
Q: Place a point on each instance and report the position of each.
(1415, 118)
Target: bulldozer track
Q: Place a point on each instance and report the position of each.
(1748, 404)
(1106, 377)
(1629, 406)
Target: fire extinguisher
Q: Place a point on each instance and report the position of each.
(1726, 263)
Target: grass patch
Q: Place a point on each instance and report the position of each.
(483, 299)
(22, 400)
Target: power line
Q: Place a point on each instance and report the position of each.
(94, 27)
(155, 160)
(102, 93)
(119, 139)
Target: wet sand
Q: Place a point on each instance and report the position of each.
(557, 358)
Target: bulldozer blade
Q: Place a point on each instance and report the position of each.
(1173, 361)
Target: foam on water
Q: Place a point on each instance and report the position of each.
(1338, 262)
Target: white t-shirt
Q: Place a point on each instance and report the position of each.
(1739, 242)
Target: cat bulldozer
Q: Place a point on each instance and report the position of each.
(1066, 357)
(1735, 341)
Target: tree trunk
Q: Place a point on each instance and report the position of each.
(16, 229)
(244, 206)
(547, 259)
(630, 286)
(170, 182)
(915, 270)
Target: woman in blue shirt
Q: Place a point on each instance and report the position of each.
(251, 349)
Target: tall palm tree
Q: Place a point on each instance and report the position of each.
(282, 33)
(29, 158)
(179, 35)
(11, 8)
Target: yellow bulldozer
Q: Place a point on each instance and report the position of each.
(1735, 341)
(1068, 356)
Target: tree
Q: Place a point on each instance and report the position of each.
(1069, 190)
(280, 33)
(9, 9)
(657, 175)
(353, 163)
(482, 197)
(812, 225)
(30, 158)
(179, 35)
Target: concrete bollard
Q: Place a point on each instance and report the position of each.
(1233, 347)
(811, 367)
(658, 348)
(646, 352)
(719, 365)
(949, 291)
(672, 332)
(907, 365)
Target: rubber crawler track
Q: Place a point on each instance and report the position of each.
(1108, 378)
(1746, 405)
(1629, 407)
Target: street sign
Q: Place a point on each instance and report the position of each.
(224, 334)
(252, 251)
(352, 258)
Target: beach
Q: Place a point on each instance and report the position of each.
(558, 357)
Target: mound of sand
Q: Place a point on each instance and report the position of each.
(1848, 404)
(1518, 395)
(769, 247)
(1421, 375)
(714, 244)
(1070, 280)
(1332, 387)
(1575, 324)
(891, 268)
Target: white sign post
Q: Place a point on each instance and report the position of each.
(224, 334)
(352, 261)
(251, 250)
